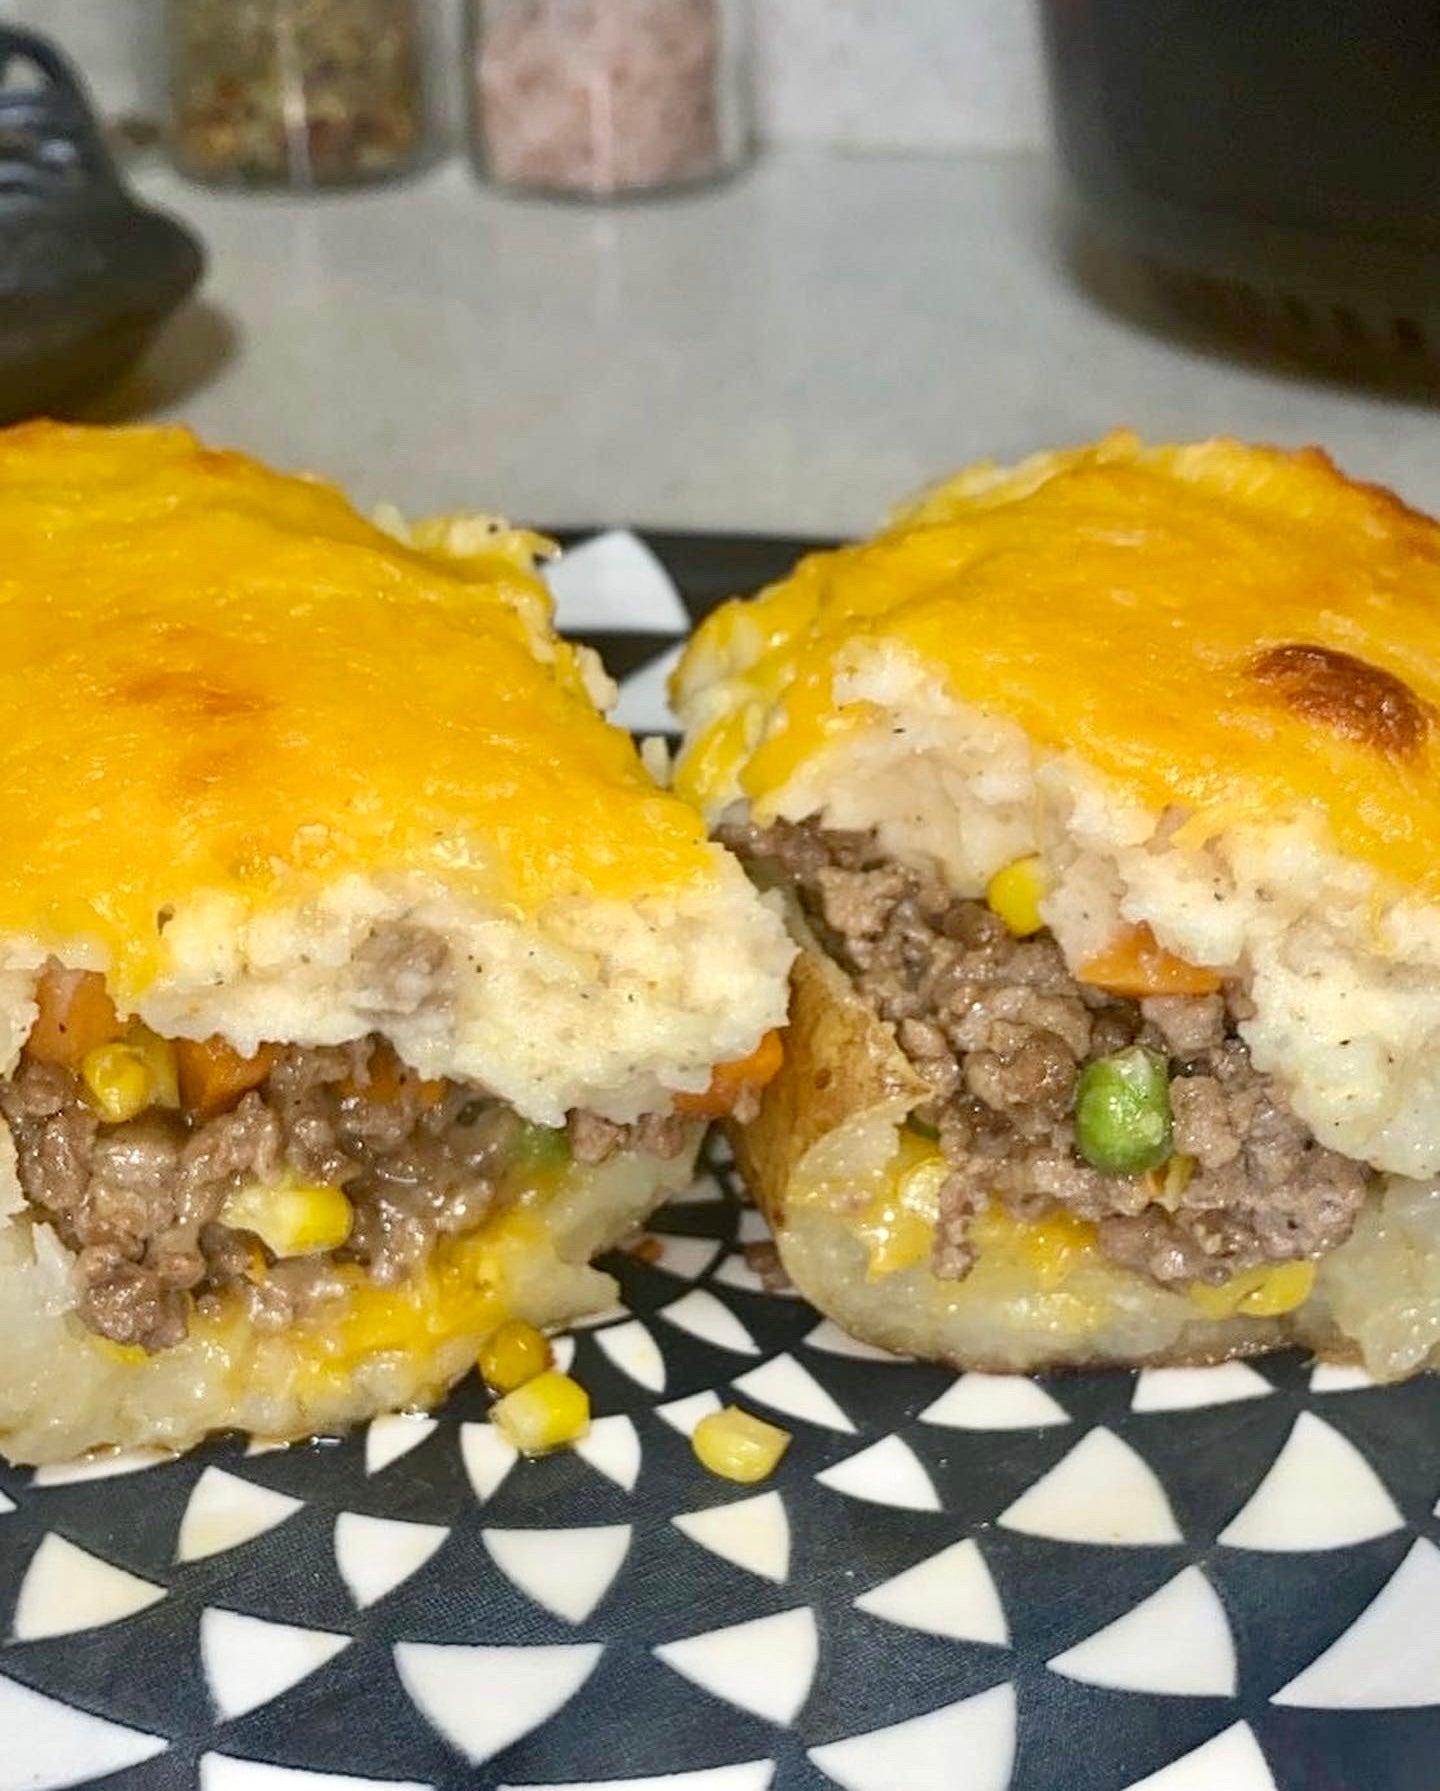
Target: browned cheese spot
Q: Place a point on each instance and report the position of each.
(189, 698)
(1352, 698)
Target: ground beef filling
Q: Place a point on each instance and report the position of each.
(139, 1204)
(1000, 1030)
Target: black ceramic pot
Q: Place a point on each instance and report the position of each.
(87, 274)
(1279, 155)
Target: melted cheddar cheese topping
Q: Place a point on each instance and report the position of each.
(1239, 633)
(215, 677)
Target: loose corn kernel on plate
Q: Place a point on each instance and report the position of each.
(709, 1542)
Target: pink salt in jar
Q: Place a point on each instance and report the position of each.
(605, 98)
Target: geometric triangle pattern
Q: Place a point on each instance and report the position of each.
(487, 1456)
(745, 1775)
(644, 705)
(1320, 1493)
(377, 1554)
(396, 1434)
(995, 1402)
(950, 1594)
(1389, 1658)
(614, 582)
(1182, 1579)
(225, 1511)
(66, 1589)
(1233, 1760)
(223, 1772)
(249, 1661)
(1176, 1643)
(632, 1348)
(683, 1415)
(48, 1744)
(483, 1699)
(612, 1447)
(789, 1388)
(106, 1464)
(765, 1667)
(887, 1473)
(706, 1316)
(568, 1572)
(749, 1533)
(925, 1753)
(1186, 1389)
(1101, 1492)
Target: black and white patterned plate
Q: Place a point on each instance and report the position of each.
(1188, 1580)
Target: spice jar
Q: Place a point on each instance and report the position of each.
(600, 98)
(298, 92)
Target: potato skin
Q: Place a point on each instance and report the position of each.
(843, 1073)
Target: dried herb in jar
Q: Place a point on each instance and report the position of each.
(297, 92)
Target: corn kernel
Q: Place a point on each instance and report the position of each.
(738, 1446)
(1014, 894)
(546, 1413)
(158, 1057)
(1257, 1293)
(514, 1354)
(291, 1218)
(116, 1081)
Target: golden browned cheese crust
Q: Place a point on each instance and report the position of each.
(216, 676)
(1237, 632)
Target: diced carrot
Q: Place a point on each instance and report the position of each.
(1136, 964)
(729, 1079)
(76, 1015)
(387, 1077)
(213, 1074)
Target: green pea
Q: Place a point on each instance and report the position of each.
(1122, 1112)
(542, 1147)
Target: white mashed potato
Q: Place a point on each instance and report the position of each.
(604, 1005)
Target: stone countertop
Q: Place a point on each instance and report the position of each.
(791, 352)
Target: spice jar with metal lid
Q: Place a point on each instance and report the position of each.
(303, 93)
(605, 98)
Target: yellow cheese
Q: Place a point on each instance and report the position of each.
(1236, 631)
(1257, 1293)
(897, 1224)
(459, 1290)
(1049, 1250)
(214, 677)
